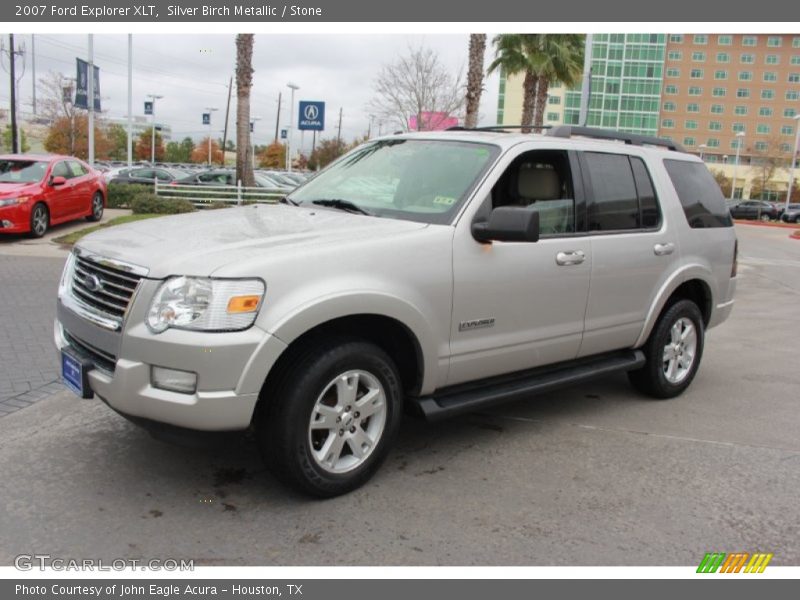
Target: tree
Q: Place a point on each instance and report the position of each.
(414, 84)
(244, 83)
(179, 152)
(273, 156)
(477, 49)
(513, 56)
(326, 152)
(200, 152)
(765, 160)
(71, 137)
(143, 148)
(52, 102)
(118, 141)
(23, 140)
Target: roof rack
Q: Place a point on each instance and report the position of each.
(497, 127)
(566, 131)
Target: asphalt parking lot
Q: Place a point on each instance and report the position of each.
(593, 475)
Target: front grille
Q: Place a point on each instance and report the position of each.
(104, 361)
(102, 287)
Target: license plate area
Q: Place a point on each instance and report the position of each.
(75, 372)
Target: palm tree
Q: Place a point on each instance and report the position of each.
(513, 52)
(558, 58)
(477, 48)
(244, 82)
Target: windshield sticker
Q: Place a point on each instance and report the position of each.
(444, 200)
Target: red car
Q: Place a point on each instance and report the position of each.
(39, 191)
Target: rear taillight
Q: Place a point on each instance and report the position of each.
(735, 258)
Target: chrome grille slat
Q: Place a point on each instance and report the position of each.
(118, 286)
(108, 271)
(116, 309)
(121, 300)
(114, 292)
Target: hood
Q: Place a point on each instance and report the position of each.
(202, 242)
(11, 189)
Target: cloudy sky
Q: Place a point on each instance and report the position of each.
(192, 72)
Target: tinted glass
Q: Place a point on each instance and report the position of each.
(613, 203)
(22, 171)
(648, 203)
(61, 170)
(700, 196)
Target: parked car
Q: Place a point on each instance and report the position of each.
(281, 178)
(226, 177)
(755, 209)
(115, 172)
(148, 175)
(791, 214)
(440, 272)
(37, 192)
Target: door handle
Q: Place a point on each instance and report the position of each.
(570, 257)
(664, 249)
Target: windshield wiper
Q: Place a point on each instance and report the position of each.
(287, 200)
(343, 205)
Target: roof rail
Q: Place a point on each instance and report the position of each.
(634, 139)
(497, 127)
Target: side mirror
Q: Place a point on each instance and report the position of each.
(508, 224)
(57, 180)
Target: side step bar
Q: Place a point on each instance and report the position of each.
(505, 388)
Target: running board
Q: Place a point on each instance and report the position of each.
(505, 388)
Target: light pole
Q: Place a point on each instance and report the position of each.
(153, 98)
(739, 140)
(702, 149)
(794, 159)
(210, 110)
(293, 87)
(252, 138)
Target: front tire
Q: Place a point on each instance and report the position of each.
(97, 208)
(40, 220)
(331, 418)
(673, 352)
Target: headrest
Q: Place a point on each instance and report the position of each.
(537, 183)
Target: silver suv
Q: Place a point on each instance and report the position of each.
(436, 272)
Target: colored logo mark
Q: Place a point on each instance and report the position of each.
(737, 562)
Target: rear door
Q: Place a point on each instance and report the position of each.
(83, 188)
(634, 250)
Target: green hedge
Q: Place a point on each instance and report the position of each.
(149, 203)
(120, 195)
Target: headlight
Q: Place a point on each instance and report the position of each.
(66, 275)
(205, 304)
(12, 201)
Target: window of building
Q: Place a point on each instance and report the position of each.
(796, 42)
(723, 57)
(738, 127)
(717, 109)
(761, 146)
(676, 38)
(553, 116)
(671, 89)
(740, 110)
(795, 60)
(774, 41)
(715, 126)
(742, 93)
(745, 75)
(700, 39)
(675, 55)
(747, 59)
(792, 95)
(696, 74)
(762, 128)
(712, 143)
(554, 100)
(718, 92)
(770, 76)
(789, 113)
(695, 90)
(772, 59)
(787, 130)
(673, 72)
(720, 75)
(669, 107)
(765, 111)
(699, 56)
(794, 77)
(693, 107)
(749, 40)
(767, 94)
(725, 40)
(690, 124)
(668, 123)
(689, 141)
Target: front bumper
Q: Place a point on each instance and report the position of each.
(231, 368)
(15, 218)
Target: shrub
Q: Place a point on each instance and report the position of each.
(148, 203)
(120, 195)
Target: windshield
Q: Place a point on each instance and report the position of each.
(417, 180)
(22, 171)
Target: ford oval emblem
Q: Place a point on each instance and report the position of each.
(93, 283)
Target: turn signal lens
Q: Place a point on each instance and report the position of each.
(243, 304)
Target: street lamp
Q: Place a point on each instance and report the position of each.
(211, 109)
(702, 149)
(252, 138)
(293, 87)
(739, 140)
(794, 159)
(153, 98)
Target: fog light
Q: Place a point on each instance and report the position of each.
(173, 380)
(6, 224)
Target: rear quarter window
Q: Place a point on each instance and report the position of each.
(700, 196)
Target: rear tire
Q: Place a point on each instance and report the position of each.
(97, 208)
(40, 220)
(331, 419)
(673, 352)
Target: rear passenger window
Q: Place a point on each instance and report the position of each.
(77, 168)
(613, 202)
(700, 196)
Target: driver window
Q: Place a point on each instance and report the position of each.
(540, 180)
